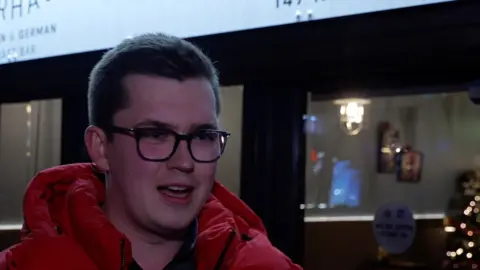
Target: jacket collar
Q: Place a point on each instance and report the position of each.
(66, 200)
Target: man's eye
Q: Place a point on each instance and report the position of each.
(155, 133)
(206, 136)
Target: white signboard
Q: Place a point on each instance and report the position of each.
(394, 227)
(32, 29)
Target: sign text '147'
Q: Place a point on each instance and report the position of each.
(280, 3)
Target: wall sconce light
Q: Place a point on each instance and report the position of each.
(352, 111)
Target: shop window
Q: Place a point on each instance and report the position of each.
(428, 140)
(228, 171)
(30, 139)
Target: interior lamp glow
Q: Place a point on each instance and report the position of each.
(352, 113)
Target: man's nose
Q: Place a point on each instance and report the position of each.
(181, 159)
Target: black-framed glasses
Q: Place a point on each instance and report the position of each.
(160, 144)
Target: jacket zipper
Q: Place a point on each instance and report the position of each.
(225, 249)
(122, 254)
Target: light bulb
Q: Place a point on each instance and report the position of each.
(351, 114)
(450, 229)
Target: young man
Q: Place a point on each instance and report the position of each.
(148, 200)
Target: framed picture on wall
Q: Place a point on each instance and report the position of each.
(388, 147)
(409, 165)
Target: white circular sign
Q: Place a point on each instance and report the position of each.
(394, 227)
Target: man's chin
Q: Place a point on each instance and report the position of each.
(175, 227)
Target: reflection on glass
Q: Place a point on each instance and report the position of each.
(345, 188)
(30, 139)
(228, 170)
(343, 174)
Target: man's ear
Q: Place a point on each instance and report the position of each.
(96, 143)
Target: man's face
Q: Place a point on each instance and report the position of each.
(183, 107)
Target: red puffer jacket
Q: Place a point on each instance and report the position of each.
(66, 229)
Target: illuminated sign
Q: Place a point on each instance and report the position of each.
(32, 29)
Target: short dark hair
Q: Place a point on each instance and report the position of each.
(149, 54)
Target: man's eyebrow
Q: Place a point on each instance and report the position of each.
(163, 125)
(155, 124)
(204, 126)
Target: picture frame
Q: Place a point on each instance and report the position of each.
(388, 147)
(409, 165)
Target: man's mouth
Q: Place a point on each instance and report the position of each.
(176, 194)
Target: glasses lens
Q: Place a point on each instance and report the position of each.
(205, 146)
(156, 144)
(208, 145)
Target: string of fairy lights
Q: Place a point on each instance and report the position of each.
(468, 246)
